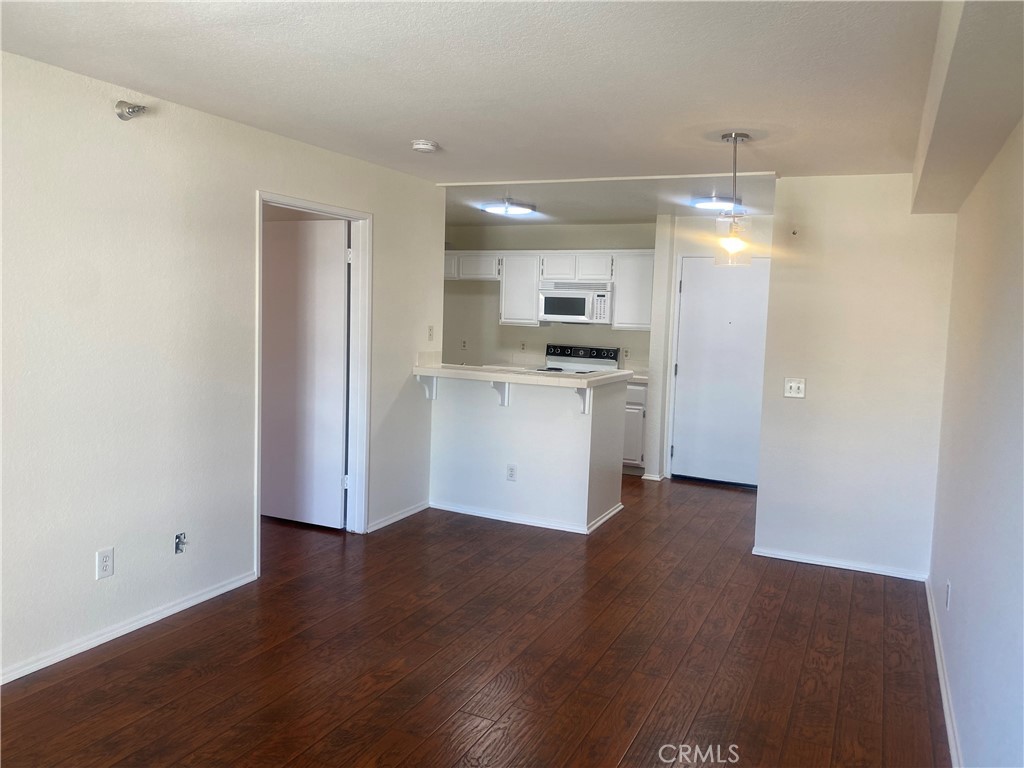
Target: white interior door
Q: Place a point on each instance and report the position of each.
(303, 375)
(723, 317)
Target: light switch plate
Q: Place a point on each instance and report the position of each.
(794, 388)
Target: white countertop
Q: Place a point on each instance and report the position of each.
(522, 375)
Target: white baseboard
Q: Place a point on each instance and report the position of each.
(67, 650)
(849, 565)
(940, 662)
(538, 522)
(655, 478)
(604, 518)
(395, 517)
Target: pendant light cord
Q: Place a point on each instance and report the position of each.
(735, 142)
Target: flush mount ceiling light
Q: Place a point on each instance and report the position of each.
(716, 203)
(425, 145)
(509, 207)
(733, 246)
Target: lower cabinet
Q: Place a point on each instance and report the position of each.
(636, 413)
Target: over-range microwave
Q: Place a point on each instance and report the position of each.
(565, 302)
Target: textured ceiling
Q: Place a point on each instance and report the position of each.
(515, 91)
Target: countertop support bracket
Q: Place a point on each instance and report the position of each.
(586, 398)
(429, 384)
(503, 388)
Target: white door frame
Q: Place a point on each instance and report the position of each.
(358, 425)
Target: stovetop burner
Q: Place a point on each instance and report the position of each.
(580, 360)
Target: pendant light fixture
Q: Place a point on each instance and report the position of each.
(733, 246)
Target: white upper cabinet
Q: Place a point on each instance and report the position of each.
(634, 286)
(520, 272)
(478, 266)
(590, 266)
(471, 265)
(556, 265)
(520, 299)
(451, 265)
(595, 267)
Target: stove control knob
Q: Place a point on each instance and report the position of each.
(593, 353)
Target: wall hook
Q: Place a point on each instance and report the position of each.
(126, 110)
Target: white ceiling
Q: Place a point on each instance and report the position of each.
(513, 91)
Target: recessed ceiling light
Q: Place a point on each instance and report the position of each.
(425, 145)
(509, 207)
(716, 203)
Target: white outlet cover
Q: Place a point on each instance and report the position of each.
(104, 563)
(794, 388)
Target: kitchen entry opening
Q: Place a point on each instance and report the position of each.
(312, 372)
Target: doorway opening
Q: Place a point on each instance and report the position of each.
(312, 364)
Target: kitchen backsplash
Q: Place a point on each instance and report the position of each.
(473, 336)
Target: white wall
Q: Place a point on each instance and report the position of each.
(978, 512)
(859, 306)
(129, 341)
(540, 236)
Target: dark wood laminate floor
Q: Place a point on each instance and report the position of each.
(447, 640)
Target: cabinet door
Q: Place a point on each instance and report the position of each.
(636, 394)
(451, 266)
(478, 266)
(633, 440)
(594, 266)
(558, 266)
(631, 296)
(520, 299)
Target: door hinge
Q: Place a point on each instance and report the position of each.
(671, 451)
(344, 483)
(680, 286)
(645, 413)
(641, 458)
(676, 371)
(348, 255)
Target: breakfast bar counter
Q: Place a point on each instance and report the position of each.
(535, 447)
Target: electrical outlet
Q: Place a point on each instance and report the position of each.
(104, 563)
(522, 346)
(180, 542)
(949, 593)
(511, 473)
(430, 333)
(794, 388)
(625, 353)
(464, 344)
